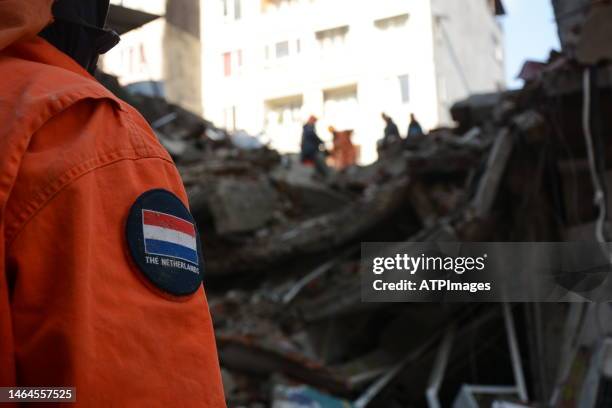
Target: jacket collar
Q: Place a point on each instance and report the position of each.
(38, 50)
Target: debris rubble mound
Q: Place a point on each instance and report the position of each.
(282, 250)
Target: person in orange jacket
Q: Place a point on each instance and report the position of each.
(344, 153)
(101, 264)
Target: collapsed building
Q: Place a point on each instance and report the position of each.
(282, 248)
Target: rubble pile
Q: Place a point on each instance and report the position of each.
(282, 252)
(292, 327)
(285, 290)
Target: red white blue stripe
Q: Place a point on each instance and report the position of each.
(168, 235)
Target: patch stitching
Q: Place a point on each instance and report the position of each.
(176, 265)
(151, 252)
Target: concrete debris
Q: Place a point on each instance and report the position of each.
(584, 29)
(241, 205)
(475, 110)
(570, 16)
(304, 397)
(474, 396)
(496, 165)
(309, 194)
(282, 250)
(593, 46)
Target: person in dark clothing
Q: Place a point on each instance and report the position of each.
(311, 147)
(414, 129)
(391, 131)
(78, 30)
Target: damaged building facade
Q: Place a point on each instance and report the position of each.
(273, 63)
(248, 64)
(160, 52)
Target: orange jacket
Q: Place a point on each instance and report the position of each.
(344, 153)
(76, 306)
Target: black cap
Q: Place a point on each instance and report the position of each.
(79, 30)
(90, 14)
(83, 12)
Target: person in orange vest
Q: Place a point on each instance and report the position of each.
(101, 264)
(344, 152)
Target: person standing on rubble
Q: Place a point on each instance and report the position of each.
(313, 148)
(414, 128)
(101, 264)
(392, 134)
(344, 153)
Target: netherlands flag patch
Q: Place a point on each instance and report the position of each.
(168, 235)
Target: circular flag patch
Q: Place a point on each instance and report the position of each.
(164, 243)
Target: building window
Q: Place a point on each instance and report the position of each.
(232, 62)
(404, 88)
(283, 122)
(132, 59)
(282, 49)
(284, 111)
(392, 23)
(237, 9)
(232, 9)
(341, 107)
(268, 5)
(227, 64)
(332, 38)
(143, 56)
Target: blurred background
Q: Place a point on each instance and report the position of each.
(496, 114)
(265, 66)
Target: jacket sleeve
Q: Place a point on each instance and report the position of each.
(316, 140)
(82, 313)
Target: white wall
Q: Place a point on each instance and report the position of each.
(139, 55)
(469, 53)
(446, 48)
(162, 51)
(150, 6)
(368, 61)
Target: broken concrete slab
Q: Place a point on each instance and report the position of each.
(310, 196)
(495, 168)
(531, 125)
(475, 110)
(316, 234)
(442, 161)
(247, 355)
(241, 205)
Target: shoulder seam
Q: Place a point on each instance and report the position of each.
(46, 194)
(30, 128)
(134, 131)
